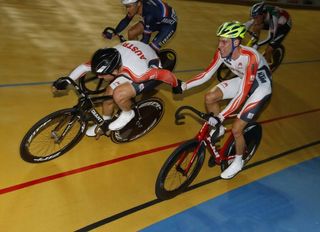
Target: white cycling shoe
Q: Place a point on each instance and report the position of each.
(91, 131)
(235, 167)
(124, 118)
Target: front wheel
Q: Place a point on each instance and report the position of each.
(178, 171)
(52, 136)
(148, 114)
(252, 135)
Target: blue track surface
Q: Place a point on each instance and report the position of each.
(285, 201)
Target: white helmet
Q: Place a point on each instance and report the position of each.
(126, 2)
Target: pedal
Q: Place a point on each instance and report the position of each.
(103, 129)
(98, 132)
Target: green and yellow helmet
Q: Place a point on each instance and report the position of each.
(232, 30)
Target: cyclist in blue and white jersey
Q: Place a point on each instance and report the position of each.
(157, 16)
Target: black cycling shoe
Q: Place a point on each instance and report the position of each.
(212, 161)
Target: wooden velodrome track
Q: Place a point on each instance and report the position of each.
(111, 186)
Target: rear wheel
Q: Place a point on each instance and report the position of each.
(52, 136)
(176, 174)
(151, 112)
(252, 135)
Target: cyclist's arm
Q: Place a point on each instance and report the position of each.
(246, 84)
(273, 26)
(207, 73)
(80, 71)
(249, 23)
(123, 24)
(152, 74)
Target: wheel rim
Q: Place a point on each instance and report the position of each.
(44, 143)
(176, 177)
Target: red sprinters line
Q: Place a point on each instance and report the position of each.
(109, 162)
(83, 169)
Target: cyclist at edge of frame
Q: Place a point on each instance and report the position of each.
(132, 68)
(248, 91)
(157, 16)
(272, 18)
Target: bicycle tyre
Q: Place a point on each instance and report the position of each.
(38, 146)
(224, 73)
(163, 180)
(151, 111)
(277, 57)
(252, 135)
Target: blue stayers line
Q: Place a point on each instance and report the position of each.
(179, 71)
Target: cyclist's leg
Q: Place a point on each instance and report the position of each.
(122, 96)
(276, 42)
(107, 112)
(165, 33)
(135, 31)
(240, 143)
(248, 113)
(224, 90)
(108, 106)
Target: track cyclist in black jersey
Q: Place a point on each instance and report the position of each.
(157, 16)
(272, 18)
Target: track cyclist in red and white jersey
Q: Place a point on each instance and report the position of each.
(132, 67)
(251, 89)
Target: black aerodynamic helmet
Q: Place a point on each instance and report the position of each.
(257, 9)
(105, 61)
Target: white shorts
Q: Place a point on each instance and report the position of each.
(255, 101)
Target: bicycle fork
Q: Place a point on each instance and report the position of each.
(185, 171)
(54, 132)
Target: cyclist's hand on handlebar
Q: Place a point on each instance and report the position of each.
(213, 120)
(60, 84)
(179, 88)
(107, 33)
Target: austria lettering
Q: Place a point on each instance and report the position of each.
(135, 49)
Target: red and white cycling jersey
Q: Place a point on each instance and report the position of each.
(136, 57)
(253, 74)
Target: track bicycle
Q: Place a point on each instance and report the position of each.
(185, 162)
(224, 73)
(60, 131)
